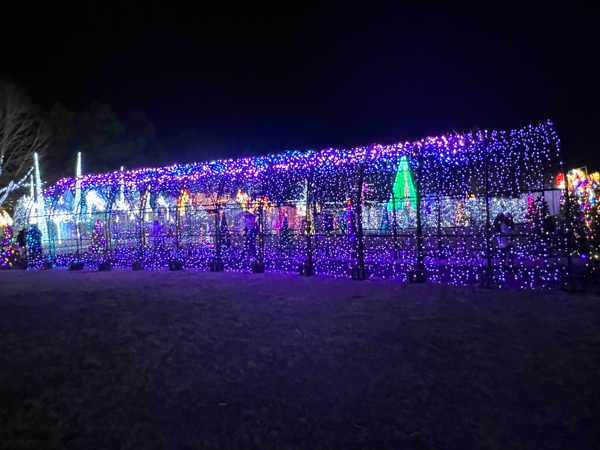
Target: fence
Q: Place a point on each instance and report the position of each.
(425, 207)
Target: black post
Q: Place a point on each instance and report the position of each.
(569, 228)
(309, 252)
(51, 241)
(108, 218)
(258, 266)
(108, 221)
(488, 236)
(177, 229)
(359, 272)
(359, 228)
(307, 269)
(142, 228)
(439, 227)
(78, 234)
(79, 237)
(217, 265)
(218, 235)
(107, 236)
(261, 235)
(439, 217)
(394, 226)
(420, 256)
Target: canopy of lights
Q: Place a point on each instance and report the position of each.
(388, 210)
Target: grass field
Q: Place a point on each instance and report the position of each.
(183, 360)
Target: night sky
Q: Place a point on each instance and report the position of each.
(310, 77)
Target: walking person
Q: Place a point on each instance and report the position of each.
(22, 241)
(503, 227)
(252, 240)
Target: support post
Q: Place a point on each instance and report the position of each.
(359, 228)
(308, 269)
(261, 234)
(177, 231)
(569, 228)
(488, 228)
(218, 235)
(394, 226)
(418, 275)
(360, 272)
(176, 264)
(439, 219)
(259, 266)
(420, 257)
(77, 238)
(217, 265)
(79, 214)
(107, 238)
(142, 228)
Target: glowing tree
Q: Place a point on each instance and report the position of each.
(34, 245)
(461, 218)
(544, 209)
(405, 195)
(98, 240)
(532, 209)
(573, 218)
(8, 253)
(404, 198)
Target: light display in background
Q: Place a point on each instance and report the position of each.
(389, 209)
(583, 214)
(8, 250)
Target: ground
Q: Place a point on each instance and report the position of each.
(182, 360)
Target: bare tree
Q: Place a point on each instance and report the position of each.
(21, 135)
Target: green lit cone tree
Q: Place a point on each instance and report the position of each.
(404, 198)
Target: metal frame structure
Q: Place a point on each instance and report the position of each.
(343, 214)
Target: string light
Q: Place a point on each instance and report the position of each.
(436, 197)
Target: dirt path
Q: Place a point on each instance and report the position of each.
(226, 360)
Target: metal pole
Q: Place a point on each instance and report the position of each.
(488, 236)
(359, 228)
(439, 217)
(309, 253)
(177, 229)
(107, 238)
(261, 240)
(108, 217)
(420, 257)
(142, 228)
(77, 237)
(142, 238)
(394, 226)
(439, 226)
(79, 213)
(218, 234)
(569, 228)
